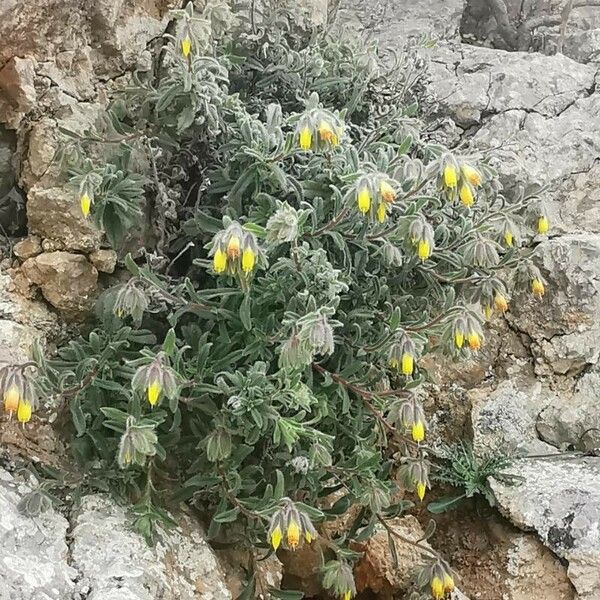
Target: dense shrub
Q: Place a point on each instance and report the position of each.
(299, 245)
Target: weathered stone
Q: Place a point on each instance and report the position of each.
(30, 246)
(34, 553)
(104, 260)
(16, 342)
(17, 90)
(54, 214)
(68, 281)
(7, 150)
(560, 500)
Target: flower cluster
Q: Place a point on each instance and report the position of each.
(319, 129)
(290, 526)
(459, 180)
(402, 356)
(528, 276)
(338, 578)
(17, 392)
(234, 251)
(373, 194)
(415, 474)
(438, 577)
(421, 236)
(131, 301)
(138, 442)
(156, 379)
(466, 327)
(492, 295)
(410, 415)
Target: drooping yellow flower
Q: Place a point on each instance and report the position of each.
(248, 260)
(474, 340)
(408, 364)
(85, 202)
(418, 431)
(459, 339)
(450, 176)
(448, 583)
(394, 363)
(219, 261)
(437, 588)
(24, 412)
(543, 225)
(420, 489)
(364, 200)
(381, 212)
(424, 250)
(537, 287)
(508, 238)
(472, 175)
(500, 302)
(388, 193)
(293, 535)
(327, 134)
(186, 46)
(466, 195)
(153, 392)
(11, 399)
(347, 595)
(233, 247)
(487, 311)
(305, 138)
(276, 537)
(308, 537)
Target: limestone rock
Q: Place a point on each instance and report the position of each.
(68, 281)
(560, 500)
(17, 90)
(54, 214)
(7, 151)
(30, 246)
(104, 260)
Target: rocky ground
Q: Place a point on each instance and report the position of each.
(535, 390)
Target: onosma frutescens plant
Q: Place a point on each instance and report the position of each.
(305, 247)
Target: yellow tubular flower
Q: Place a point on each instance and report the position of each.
(487, 311)
(471, 175)
(500, 302)
(364, 200)
(459, 339)
(474, 340)
(420, 489)
(233, 247)
(543, 225)
(466, 195)
(394, 364)
(293, 535)
(537, 287)
(437, 588)
(450, 177)
(388, 194)
(24, 412)
(186, 46)
(508, 238)
(276, 537)
(153, 392)
(347, 595)
(408, 364)
(308, 537)
(11, 399)
(85, 202)
(418, 431)
(448, 583)
(219, 261)
(424, 250)
(305, 138)
(248, 260)
(327, 134)
(381, 212)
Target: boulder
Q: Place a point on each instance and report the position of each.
(104, 260)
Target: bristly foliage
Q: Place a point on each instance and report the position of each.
(305, 246)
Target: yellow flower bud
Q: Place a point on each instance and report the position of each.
(219, 261)
(381, 212)
(420, 489)
(500, 302)
(364, 200)
(466, 195)
(508, 238)
(11, 399)
(437, 588)
(459, 339)
(471, 175)
(293, 535)
(85, 202)
(347, 595)
(424, 250)
(327, 134)
(233, 247)
(450, 176)
(474, 340)
(487, 311)
(418, 431)
(153, 392)
(248, 260)
(394, 363)
(408, 364)
(305, 138)
(308, 537)
(448, 583)
(388, 194)
(186, 46)
(24, 412)
(543, 225)
(537, 287)
(276, 537)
